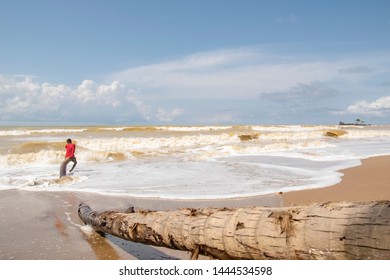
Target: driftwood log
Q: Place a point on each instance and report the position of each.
(343, 230)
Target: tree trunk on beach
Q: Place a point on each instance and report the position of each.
(343, 230)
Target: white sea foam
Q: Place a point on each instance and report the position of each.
(367, 134)
(290, 128)
(193, 128)
(186, 162)
(134, 143)
(168, 128)
(38, 158)
(28, 131)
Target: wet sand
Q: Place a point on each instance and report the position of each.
(368, 182)
(45, 225)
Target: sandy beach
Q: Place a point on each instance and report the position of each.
(45, 225)
(368, 182)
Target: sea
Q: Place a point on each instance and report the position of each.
(186, 162)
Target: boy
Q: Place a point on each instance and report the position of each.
(69, 156)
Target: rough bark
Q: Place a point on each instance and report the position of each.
(320, 231)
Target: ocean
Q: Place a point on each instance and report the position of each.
(186, 162)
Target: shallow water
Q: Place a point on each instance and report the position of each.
(186, 162)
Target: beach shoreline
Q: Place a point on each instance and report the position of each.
(369, 181)
(45, 225)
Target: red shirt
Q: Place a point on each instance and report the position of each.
(70, 149)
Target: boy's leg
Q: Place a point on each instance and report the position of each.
(63, 167)
(74, 164)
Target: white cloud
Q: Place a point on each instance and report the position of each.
(243, 74)
(206, 83)
(226, 116)
(234, 74)
(27, 99)
(379, 107)
(313, 91)
(167, 116)
(144, 109)
(308, 84)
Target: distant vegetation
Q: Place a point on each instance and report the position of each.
(358, 122)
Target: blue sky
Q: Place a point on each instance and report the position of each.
(195, 62)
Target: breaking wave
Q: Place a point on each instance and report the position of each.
(201, 143)
(186, 161)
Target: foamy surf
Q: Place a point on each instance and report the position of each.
(40, 183)
(186, 162)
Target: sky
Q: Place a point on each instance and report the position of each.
(194, 62)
